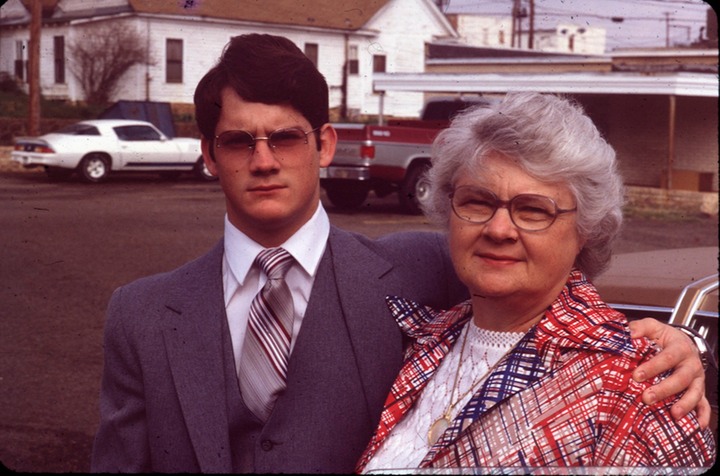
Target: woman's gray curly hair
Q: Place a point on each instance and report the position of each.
(551, 139)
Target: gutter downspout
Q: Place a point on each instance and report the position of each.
(381, 116)
(345, 76)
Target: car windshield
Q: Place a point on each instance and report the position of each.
(79, 130)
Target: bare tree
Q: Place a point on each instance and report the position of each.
(102, 56)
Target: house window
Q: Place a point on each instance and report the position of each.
(311, 51)
(501, 37)
(20, 62)
(353, 63)
(379, 63)
(59, 55)
(174, 66)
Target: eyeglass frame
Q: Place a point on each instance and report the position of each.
(252, 146)
(507, 204)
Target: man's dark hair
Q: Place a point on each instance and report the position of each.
(262, 68)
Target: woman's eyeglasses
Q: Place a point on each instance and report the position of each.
(242, 143)
(528, 212)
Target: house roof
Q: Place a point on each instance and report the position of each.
(337, 14)
(333, 14)
(439, 50)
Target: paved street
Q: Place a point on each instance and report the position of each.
(66, 246)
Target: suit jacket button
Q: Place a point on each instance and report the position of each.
(266, 445)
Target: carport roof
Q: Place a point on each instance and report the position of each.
(677, 84)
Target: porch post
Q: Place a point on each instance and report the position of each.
(671, 139)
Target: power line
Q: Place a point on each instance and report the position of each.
(627, 22)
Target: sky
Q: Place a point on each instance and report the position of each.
(647, 23)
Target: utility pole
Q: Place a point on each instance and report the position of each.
(34, 68)
(531, 30)
(515, 16)
(667, 29)
(518, 13)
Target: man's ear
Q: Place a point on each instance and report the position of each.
(328, 141)
(205, 146)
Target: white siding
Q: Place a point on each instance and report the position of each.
(404, 27)
(8, 48)
(399, 30)
(13, 9)
(485, 31)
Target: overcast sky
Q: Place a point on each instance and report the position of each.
(644, 22)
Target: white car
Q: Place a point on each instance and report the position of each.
(96, 148)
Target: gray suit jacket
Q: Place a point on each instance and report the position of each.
(168, 392)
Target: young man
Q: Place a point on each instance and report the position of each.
(178, 366)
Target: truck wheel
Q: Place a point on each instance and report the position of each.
(347, 195)
(414, 189)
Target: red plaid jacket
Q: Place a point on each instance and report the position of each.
(563, 397)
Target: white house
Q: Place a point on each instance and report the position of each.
(349, 40)
(497, 32)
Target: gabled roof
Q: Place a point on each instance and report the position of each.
(47, 6)
(337, 14)
(333, 14)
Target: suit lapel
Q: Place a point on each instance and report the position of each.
(193, 341)
(363, 278)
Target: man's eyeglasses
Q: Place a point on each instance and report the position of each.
(527, 211)
(242, 143)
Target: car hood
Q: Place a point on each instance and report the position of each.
(655, 278)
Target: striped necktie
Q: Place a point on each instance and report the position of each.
(263, 365)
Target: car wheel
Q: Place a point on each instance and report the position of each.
(58, 173)
(414, 190)
(202, 172)
(94, 168)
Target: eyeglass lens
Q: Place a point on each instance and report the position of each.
(528, 212)
(243, 141)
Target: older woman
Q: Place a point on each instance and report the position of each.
(534, 370)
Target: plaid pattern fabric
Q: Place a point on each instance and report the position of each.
(563, 397)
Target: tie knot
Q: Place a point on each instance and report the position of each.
(274, 262)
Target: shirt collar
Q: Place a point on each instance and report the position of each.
(307, 246)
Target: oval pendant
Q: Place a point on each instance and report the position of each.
(437, 429)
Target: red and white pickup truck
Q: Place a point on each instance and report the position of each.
(388, 158)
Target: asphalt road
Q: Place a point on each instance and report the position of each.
(66, 246)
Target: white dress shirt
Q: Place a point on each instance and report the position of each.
(242, 281)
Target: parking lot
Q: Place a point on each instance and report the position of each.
(65, 247)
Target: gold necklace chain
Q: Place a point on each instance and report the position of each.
(441, 424)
